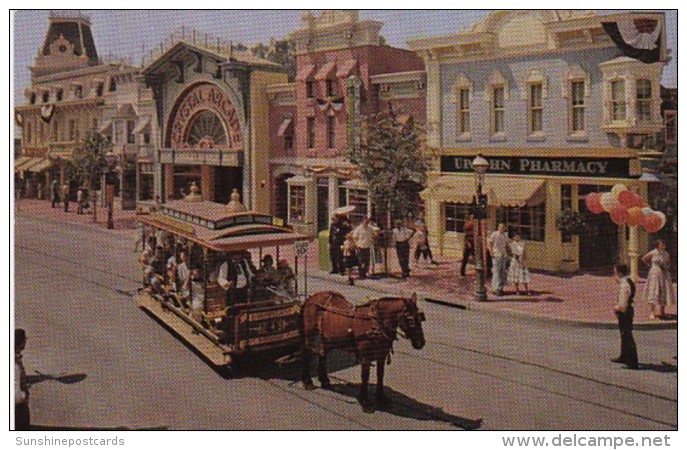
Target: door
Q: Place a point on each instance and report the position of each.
(322, 204)
(599, 243)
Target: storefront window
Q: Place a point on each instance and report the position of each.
(455, 215)
(528, 221)
(297, 203)
(342, 192)
(358, 198)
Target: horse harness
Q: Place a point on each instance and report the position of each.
(378, 331)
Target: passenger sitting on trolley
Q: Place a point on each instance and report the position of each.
(236, 276)
(195, 285)
(285, 276)
(265, 279)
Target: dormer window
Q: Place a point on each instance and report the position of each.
(32, 98)
(113, 84)
(59, 95)
(78, 91)
(46, 96)
(100, 88)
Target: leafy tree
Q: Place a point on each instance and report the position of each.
(88, 160)
(392, 164)
(279, 51)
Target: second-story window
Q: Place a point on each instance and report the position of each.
(464, 111)
(28, 133)
(130, 136)
(331, 130)
(32, 99)
(576, 106)
(536, 111)
(73, 132)
(78, 91)
(671, 127)
(59, 95)
(618, 100)
(55, 130)
(331, 88)
(46, 96)
(498, 113)
(310, 89)
(644, 100)
(100, 88)
(311, 132)
(113, 84)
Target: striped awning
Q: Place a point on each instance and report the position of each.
(326, 71)
(20, 162)
(29, 162)
(42, 165)
(500, 190)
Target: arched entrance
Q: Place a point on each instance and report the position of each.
(204, 134)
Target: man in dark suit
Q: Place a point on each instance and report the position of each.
(236, 276)
(625, 313)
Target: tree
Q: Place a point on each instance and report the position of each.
(89, 160)
(392, 164)
(279, 51)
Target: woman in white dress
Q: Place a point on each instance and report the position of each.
(659, 285)
(518, 272)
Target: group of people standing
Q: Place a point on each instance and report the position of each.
(509, 261)
(355, 247)
(61, 194)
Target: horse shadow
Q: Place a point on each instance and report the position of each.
(71, 378)
(401, 405)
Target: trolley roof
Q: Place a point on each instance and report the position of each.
(221, 227)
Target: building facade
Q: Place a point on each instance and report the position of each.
(211, 119)
(344, 75)
(73, 92)
(557, 109)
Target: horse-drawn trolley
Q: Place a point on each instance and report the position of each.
(221, 278)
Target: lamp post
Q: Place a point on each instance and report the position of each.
(480, 166)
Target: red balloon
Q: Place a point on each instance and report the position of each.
(593, 202)
(618, 214)
(652, 222)
(634, 216)
(629, 199)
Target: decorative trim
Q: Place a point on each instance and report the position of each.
(535, 76)
(576, 73)
(496, 79)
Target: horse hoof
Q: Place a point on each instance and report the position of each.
(309, 386)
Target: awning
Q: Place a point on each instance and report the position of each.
(500, 190)
(305, 72)
(20, 162)
(41, 166)
(27, 163)
(284, 126)
(326, 71)
(142, 125)
(346, 68)
(105, 126)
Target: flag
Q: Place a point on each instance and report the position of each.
(638, 38)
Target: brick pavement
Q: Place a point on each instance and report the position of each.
(579, 298)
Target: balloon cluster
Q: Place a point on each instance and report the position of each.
(625, 208)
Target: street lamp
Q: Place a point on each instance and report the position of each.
(480, 166)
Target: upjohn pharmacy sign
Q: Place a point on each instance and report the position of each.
(526, 165)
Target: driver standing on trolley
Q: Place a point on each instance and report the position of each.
(236, 277)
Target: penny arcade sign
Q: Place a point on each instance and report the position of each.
(201, 99)
(526, 165)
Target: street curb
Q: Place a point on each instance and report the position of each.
(478, 307)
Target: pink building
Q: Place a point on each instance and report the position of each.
(344, 74)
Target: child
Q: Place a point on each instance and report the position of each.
(348, 249)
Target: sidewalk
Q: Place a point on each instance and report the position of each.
(32, 207)
(579, 299)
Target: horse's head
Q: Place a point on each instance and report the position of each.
(411, 322)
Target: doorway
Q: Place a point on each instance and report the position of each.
(598, 245)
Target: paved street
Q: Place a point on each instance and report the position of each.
(74, 287)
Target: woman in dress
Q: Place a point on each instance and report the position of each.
(518, 272)
(659, 285)
(348, 250)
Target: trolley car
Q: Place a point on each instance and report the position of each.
(217, 276)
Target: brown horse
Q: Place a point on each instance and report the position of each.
(367, 330)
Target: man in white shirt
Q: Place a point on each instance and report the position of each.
(402, 235)
(625, 312)
(364, 236)
(498, 247)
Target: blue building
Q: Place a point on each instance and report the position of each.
(555, 104)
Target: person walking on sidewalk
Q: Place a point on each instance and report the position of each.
(498, 247)
(422, 244)
(79, 200)
(625, 313)
(659, 284)
(54, 193)
(468, 243)
(22, 417)
(402, 236)
(518, 272)
(364, 236)
(338, 230)
(65, 196)
(348, 250)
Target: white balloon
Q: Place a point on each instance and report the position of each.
(646, 211)
(608, 201)
(663, 218)
(618, 188)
